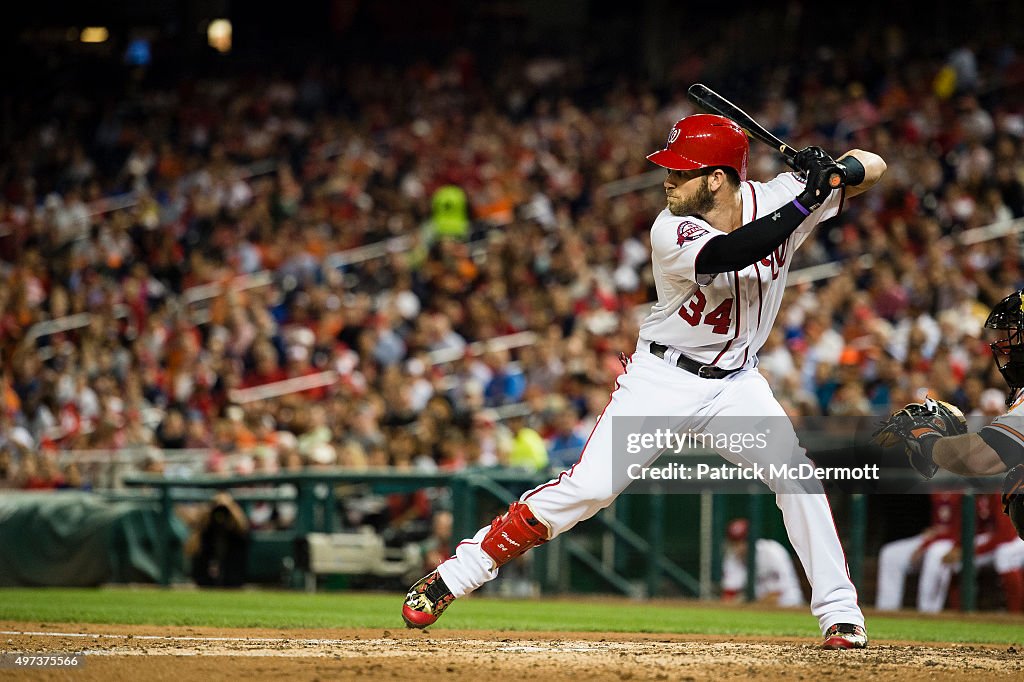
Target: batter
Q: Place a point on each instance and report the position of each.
(721, 253)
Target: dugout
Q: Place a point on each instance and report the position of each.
(78, 539)
(643, 545)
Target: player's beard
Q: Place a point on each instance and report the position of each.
(699, 204)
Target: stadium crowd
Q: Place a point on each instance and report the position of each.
(504, 191)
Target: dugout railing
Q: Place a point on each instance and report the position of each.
(602, 547)
(471, 490)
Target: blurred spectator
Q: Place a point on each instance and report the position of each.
(8, 472)
(450, 216)
(219, 544)
(172, 433)
(71, 478)
(154, 462)
(41, 472)
(438, 546)
(527, 450)
(490, 438)
(566, 442)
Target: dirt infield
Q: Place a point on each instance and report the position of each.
(186, 653)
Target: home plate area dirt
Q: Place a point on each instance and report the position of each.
(186, 653)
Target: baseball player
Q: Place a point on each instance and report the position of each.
(934, 434)
(721, 253)
(996, 544)
(898, 558)
(775, 581)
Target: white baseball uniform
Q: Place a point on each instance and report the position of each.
(896, 559)
(996, 545)
(720, 320)
(774, 574)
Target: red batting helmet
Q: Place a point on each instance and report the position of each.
(704, 140)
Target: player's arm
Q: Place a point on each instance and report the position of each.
(750, 243)
(971, 454)
(872, 165)
(919, 427)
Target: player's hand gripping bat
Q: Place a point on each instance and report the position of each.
(713, 103)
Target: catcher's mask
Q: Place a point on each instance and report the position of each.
(1008, 315)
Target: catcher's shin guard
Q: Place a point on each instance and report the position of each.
(512, 533)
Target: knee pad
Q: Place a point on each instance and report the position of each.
(512, 533)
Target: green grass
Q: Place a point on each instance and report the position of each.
(334, 610)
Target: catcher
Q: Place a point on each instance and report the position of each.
(934, 433)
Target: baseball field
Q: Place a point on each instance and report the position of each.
(145, 633)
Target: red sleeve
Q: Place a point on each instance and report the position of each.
(1004, 530)
(987, 511)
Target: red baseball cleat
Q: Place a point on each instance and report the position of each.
(426, 601)
(845, 636)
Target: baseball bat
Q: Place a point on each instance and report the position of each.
(713, 103)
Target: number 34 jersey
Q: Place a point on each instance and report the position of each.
(723, 319)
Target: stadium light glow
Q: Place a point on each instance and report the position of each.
(218, 35)
(94, 34)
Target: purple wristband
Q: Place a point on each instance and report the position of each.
(802, 209)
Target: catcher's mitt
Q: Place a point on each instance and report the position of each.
(1013, 498)
(916, 425)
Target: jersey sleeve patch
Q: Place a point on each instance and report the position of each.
(676, 241)
(688, 232)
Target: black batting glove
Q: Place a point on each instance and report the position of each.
(823, 176)
(808, 157)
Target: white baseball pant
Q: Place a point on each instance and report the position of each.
(1008, 556)
(653, 386)
(936, 575)
(894, 563)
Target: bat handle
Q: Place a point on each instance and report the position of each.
(837, 177)
(790, 155)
